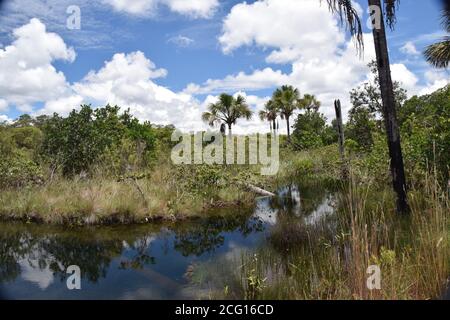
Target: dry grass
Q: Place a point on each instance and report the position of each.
(103, 200)
(331, 259)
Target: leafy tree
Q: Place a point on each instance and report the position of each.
(77, 142)
(360, 127)
(368, 95)
(309, 130)
(25, 120)
(227, 110)
(426, 128)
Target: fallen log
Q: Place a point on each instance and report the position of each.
(259, 190)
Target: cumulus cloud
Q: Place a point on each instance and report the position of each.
(128, 81)
(5, 118)
(191, 8)
(181, 41)
(305, 35)
(3, 105)
(292, 28)
(27, 74)
(259, 79)
(434, 80)
(405, 77)
(409, 48)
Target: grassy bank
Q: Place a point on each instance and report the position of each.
(165, 193)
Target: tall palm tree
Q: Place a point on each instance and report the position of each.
(286, 100)
(309, 102)
(438, 54)
(349, 15)
(227, 110)
(270, 113)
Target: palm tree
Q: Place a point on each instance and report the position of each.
(309, 102)
(286, 100)
(349, 15)
(270, 113)
(227, 110)
(438, 54)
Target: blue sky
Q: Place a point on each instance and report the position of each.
(167, 59)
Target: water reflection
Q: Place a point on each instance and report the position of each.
(147, 261)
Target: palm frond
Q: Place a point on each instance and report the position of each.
(438, 54)
(348, 16)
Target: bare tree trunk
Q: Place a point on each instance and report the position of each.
(288, 129)
(340, 129)
(389, 113)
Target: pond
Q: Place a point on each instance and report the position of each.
(154, 261)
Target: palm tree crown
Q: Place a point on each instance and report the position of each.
(286, 100)
(269, 113)
(309, 102)
(438, 54)
(227, 110)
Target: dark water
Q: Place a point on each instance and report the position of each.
(146, 261)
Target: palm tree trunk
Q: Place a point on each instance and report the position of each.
(390, 114)
(274, 127)
(288, 129)
(229, 129)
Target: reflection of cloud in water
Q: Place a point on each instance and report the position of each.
(43, 278)
(266, 214)
(325, 209)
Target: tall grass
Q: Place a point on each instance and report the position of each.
(330, 260)
(162, 194)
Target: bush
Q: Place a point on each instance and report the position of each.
(19, 171)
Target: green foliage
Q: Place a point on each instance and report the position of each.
(311, 131)
(360, 128)
(77, 142)
(19, 171)
(426, 130)
(227, 111)
(367, 107)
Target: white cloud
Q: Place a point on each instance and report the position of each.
(135, 7)
(191, 8)
(259, 79)
(434, 80)
(3, 105)
(127, 80)
(409, 48)
(5, 118)
(181, 41)
(405, 77)
(27, 74)
(295, 28)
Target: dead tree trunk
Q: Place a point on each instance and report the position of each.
(389, 111)
(340, 130)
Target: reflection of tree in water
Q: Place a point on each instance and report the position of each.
(54, 248)
(206, 236)
(93, 249)
(291, 231)
(12, 248)
(299, 199)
